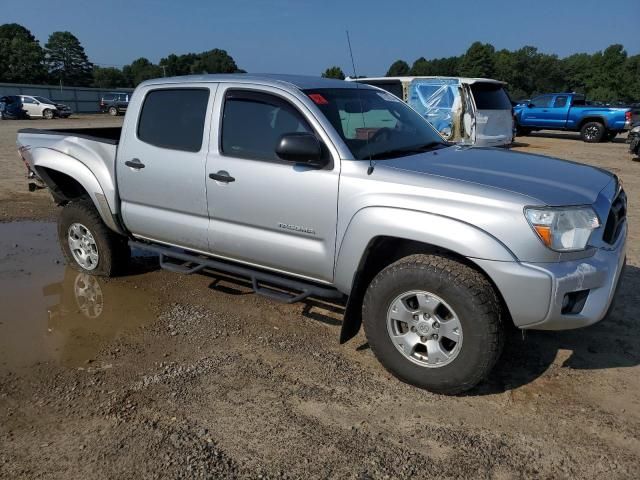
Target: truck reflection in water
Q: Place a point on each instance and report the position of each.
(92, 312)
(52, 313)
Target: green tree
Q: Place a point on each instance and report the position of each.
(67, 61)
(140, 70)
(109, 77)
(21, 56)
(478, 61)
(175, 65)
(446, 67)
(399, 68)
(421, 67)
(214, 61)
(334, 72)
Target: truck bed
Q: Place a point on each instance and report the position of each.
(89, 150)
(110, 135)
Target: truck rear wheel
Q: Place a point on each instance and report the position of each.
(592, 132)
(87, 244)
(113, 111)
(434, 322)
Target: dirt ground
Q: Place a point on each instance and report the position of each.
(155, 375)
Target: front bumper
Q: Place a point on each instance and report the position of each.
(534, 293)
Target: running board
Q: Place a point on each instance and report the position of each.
(196, 263)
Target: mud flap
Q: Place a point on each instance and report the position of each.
(352, 320)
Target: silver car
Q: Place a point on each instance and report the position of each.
(318, 187)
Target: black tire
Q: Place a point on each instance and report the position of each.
(467, 292)
(592, 132)
(522, 131)
(47, 114)
(113, 249)
(113, 111)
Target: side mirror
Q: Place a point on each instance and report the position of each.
(301, 147)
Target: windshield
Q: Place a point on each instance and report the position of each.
(43, 100)
(375, 124)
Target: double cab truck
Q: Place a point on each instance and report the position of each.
(435, 248)
(570, 112)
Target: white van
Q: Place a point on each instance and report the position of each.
(474, 111)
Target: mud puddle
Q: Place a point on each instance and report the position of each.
(52, 313)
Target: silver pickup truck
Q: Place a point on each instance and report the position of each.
(318, 187)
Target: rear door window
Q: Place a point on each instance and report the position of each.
(174, 118)
(490, 96)
(543, 101)
(560, 102)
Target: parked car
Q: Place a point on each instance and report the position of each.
(114, 103)
(634, 140)
(41, 107)
(434, 247)
(11, 108)
(464, 110)
(569, 112)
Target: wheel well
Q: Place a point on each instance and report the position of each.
(382, 252)
(63, 187)
(592, 119)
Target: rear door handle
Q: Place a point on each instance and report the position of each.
(135, 163)
(222, 176)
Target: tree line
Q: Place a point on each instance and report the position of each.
(63, 61)
(608, 75)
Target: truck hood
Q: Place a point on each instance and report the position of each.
(548, 181)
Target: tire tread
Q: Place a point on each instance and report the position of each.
(484, 299)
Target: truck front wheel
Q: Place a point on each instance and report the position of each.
(592, 132)
(87, 244)
(434, 322)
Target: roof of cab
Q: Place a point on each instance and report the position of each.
(301, 82)
(466, 80)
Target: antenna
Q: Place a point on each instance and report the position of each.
(353, 64)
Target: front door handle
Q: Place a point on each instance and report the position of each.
(222, 176)
(135, 163)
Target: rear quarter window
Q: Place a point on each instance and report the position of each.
(174, 118)
(490, 96)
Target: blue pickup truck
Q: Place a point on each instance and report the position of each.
(570, 112)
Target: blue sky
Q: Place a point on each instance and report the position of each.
(289, 36)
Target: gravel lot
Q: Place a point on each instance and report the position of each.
(155, 375)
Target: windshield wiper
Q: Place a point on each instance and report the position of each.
(401, 152)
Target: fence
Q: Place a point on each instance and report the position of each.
(80, 99)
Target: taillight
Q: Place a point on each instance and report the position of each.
(627, 116)
(22, 151)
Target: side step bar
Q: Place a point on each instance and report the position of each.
(196, 263)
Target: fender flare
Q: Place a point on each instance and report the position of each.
(431, 229)
(53, 160)
(591, 118)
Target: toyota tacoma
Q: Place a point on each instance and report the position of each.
(332, 189)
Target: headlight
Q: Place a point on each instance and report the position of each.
(636, 129)
(563, 229)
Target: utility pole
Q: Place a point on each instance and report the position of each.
(164, 70)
